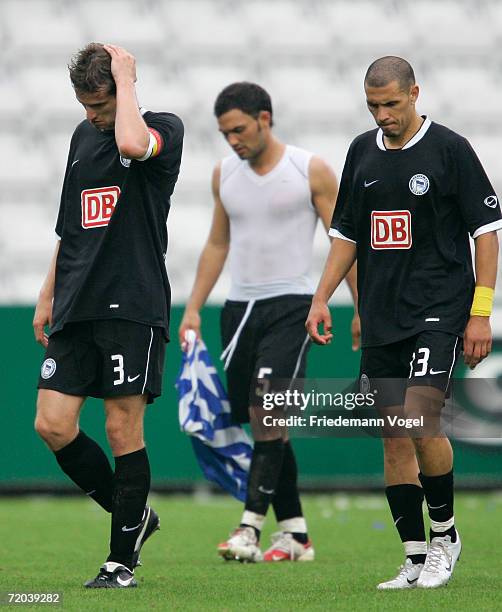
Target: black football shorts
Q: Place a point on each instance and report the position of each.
(426, 359)
(105, 358)
(273, 344)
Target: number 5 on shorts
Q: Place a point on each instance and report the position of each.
(263, 383)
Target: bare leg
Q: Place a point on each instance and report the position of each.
(434, 452)
(124, 423)
(80, 457)
(57, 417)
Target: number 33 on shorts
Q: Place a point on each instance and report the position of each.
(438, 360)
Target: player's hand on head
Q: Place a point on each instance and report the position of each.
(477, 340)
(319, 315)
(42, 317)
(123, 65)
(355, 329)
(191, 320)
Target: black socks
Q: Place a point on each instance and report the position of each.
(124, 493)
(405, 501)
(286, 502)
(86, 464)
(266, 464)
(131, 486)
(439, 496)
(273, 479)
(264, 472)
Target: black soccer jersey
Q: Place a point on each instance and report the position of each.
(410, 211)
(112, 225)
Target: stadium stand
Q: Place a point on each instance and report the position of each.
(310, 54)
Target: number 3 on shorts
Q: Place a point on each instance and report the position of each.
(119, 369)
(423, 361)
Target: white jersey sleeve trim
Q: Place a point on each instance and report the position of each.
(489, 227)
(334, 233)
(151, 144)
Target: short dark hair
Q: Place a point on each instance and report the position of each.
(387, 69)
(250, 98)
(90, 70)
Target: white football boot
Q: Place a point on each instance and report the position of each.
(242, 545)
(286, 548)
(406, 579)
(440, 561)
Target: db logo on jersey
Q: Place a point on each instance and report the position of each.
(391, 229)
(98, 206)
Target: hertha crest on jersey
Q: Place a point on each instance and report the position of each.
(419, 184)
(98, 206)
(391, 229)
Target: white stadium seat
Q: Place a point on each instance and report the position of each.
(205, 26)
(452, 27)
(42, 28)
(123, 22)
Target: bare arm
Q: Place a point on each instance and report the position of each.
(131, 132)
(341, 257)
(43, 310)
(211, 262)
(324, 188)
(478, 333)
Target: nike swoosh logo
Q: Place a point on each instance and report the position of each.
(411, 581)
(124, 582)
(436, 507)
(266, 491)
(124, 528)
(397, 521)
(75, 162)
(91, 492)
(432, 372)
(366, 184)
(132, 379)
(276, 558)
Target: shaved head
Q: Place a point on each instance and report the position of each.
(387, 69)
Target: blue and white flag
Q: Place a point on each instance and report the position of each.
(222, 448)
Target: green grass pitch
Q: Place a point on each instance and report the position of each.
(54, 544)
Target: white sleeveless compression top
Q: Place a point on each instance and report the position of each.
(272, 225)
